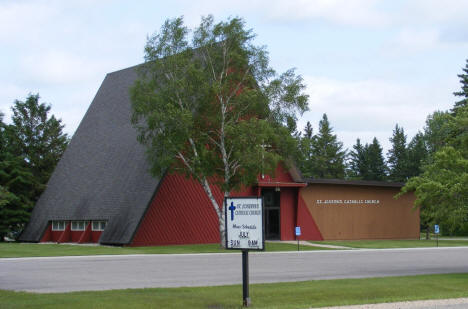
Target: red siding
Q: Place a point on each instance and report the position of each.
(288, 207)
(309, 229)
(181, 213)
(85, 236)
(281, 175)
(65, 234)
(95, 235)
(47, 236)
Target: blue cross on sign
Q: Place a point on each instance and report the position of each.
(436, 229)
(232, 208)
(298, 231)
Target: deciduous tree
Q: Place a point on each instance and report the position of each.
(212, 108)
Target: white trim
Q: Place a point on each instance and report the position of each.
(58, 225)
(79, 225)
(98, 225)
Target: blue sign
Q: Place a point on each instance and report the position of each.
(298, 231)
(436, 229)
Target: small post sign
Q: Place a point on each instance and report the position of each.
(298, 233)
(244, 231)
(437, 231)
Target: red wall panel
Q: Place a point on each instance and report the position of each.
(47, 236)
(309, 229)
(65, 234)
(95, 235)
(180, 213)
(281, 175)
(288, 203)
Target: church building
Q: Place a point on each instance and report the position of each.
(102, 192)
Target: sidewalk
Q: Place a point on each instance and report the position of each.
(306, 243)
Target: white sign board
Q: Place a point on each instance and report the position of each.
(244, 223)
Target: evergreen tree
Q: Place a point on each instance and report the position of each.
(357, 161)
(398, 156)
(305, 160)
(417, 155)
(328, 156)
(17, 187)
(367, 162)
(463, 93)
(37, 137)
(375, 162)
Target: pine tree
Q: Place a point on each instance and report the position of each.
(17, 187)
(367, 162)
(306, 142)
(398, 156)
(463, 93)
(357, 161)
(375, 161)
(328, 155)
(417, 155)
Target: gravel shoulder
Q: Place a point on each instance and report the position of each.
(452, 303)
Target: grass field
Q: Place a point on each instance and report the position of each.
(8, 250)
(382, 244)
(277, 295)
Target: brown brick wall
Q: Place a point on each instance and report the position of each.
(352, 212)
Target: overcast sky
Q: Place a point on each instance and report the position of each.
(368, 64)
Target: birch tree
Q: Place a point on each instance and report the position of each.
(207, 104)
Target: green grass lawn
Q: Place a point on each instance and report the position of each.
(406, 243)
(277, 295)
(8, 250)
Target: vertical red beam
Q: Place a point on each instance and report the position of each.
(287, 213)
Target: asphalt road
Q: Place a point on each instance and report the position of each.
(64, 274)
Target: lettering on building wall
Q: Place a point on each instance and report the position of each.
(348, 202)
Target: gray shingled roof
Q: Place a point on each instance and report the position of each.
(103, 174)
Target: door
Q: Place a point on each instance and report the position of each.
(271, 198)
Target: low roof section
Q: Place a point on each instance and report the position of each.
(369, 183)
(103, 174)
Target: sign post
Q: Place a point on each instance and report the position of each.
(298, 233)
(244, 231)
(436, 231)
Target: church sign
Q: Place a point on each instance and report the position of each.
(244, 223)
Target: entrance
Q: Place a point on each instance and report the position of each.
(271, 199)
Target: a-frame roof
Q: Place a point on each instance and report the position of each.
(103, 174)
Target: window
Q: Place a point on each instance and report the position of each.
(99, 225)
(58, 225)
(79, 225)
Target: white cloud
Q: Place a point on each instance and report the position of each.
(412, 40)
(369, 108)
(20, 20)
(353, 12)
